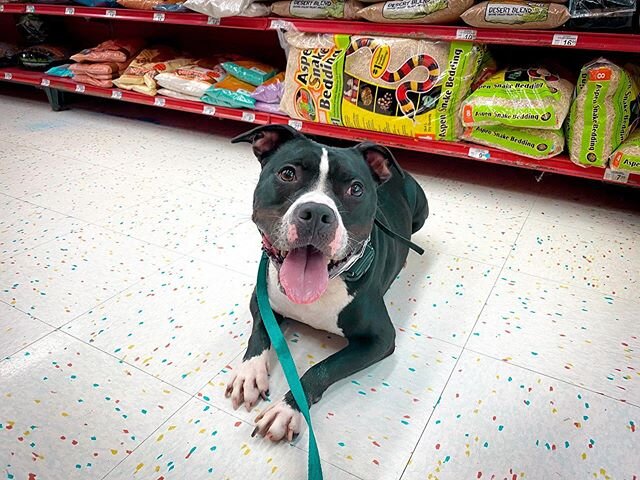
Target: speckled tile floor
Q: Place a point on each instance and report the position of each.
(127, 258)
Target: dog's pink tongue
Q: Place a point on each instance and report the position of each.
(304, 275)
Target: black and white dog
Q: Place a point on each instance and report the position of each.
(315, 206)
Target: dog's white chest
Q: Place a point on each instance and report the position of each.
(322, 314)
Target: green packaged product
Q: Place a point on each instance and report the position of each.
(519, 97)
(626, 158)
(528, 142)
(603, 112)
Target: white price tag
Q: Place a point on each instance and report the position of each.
(479, 153)
(209, 110)
(69, 11)
(158, 17)
(213, 21)
(117, 94)
(248, 116)
(111, 13)
(466, 34)
(30, 9)
(280, 25)
(562, 40)
(1, 8)
(80, 88)
(297, 124)
(159, 102)
(614, 176)
(8, 76)
(45, 82)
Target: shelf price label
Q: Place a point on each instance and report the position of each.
(618, 177)
(110, 13)
(30, 9)
(280, 25)
(159, 102)
(208, 110)
(117, 94)
(466, 34)
(213, 21)
(561, 40)
(69, 11)
(297, 124)
(248, 117)
(8, 76)
(1, 8)
(158, 17)
(80, 88)
(479, 153)
(45, 82)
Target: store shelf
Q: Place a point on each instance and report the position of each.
(620, 42)
(560, 165)
(126, 14)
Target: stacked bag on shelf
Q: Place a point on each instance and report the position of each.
(519, 110)
(190, 82)
(517, 14)
(603, 114)
(402, 86)
(236, 90)
(140, 75)
(100, 65)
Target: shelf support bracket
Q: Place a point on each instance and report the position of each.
(57, 99)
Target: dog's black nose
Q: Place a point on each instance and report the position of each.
(316, 215)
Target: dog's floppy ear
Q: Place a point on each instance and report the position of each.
(267, 139)
(380, 161)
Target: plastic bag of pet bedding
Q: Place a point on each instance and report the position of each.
(603, 112)
(415, 11)
(230, 92)
(180, 96)
(528, 142)
(347, 9)
(191, 80)
(218, 8)
(402, 86)
(60, 71)
(626, 158)
(519, 97)
(270, 91)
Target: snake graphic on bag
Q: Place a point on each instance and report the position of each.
(407, 106)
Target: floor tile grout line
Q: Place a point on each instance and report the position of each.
(554, 377)
(462, 350)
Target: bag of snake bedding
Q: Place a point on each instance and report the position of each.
(626, 158)
(519, 97)
(603, 112)
(402, 86)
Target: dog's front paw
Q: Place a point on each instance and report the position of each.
(250, 382)
(278, 422)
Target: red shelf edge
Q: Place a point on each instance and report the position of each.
(561, 165)
(621, 42)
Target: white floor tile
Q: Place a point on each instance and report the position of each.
(24, 226)
(17, 330)
(495, 420)
(580, 336)
(70, 411)
(180, 220)
(65, 277)
(439, 295)
(470, 232)
(605, 263)
(202, 442)
(181, 325)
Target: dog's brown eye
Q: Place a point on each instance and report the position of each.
(287, 174)
(356, 189)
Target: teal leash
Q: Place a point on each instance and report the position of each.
(288, 365)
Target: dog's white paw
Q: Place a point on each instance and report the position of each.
(278, 422)
(250, 382)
